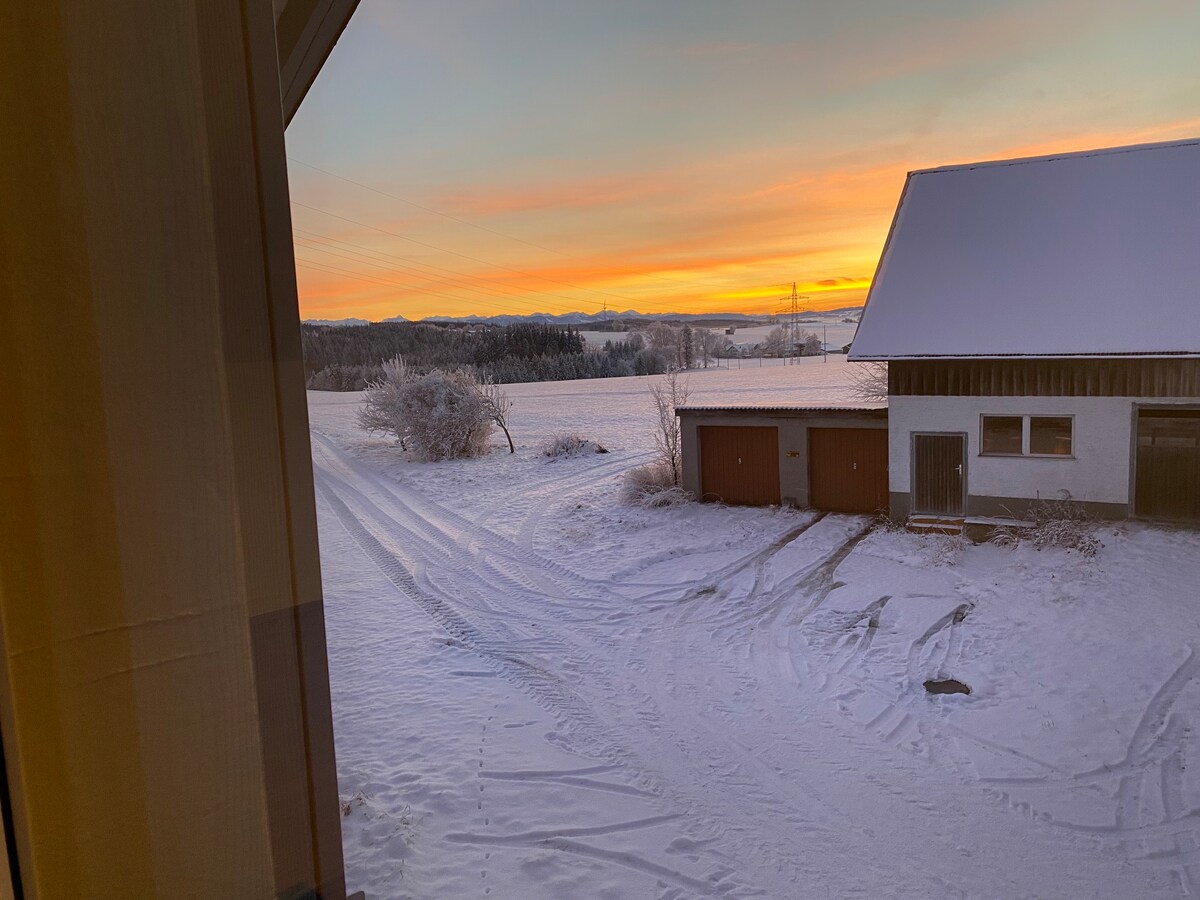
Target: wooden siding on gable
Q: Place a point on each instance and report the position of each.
(1157, 377)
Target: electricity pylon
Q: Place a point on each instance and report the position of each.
(792, 326)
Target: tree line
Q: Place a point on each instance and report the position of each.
(351, 358)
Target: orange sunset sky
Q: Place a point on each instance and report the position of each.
(509, 156)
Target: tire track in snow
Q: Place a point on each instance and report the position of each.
(545, 494)
(916, 652)
(742, 773)
(480, 579)
(1147, 734)
(574, 714)
(1156, 741)
(746, 561)
(1185, 853)
(904, 718)
(452, 532)
(547, 690)
(726, 607)
(421, 554)
(558, 490)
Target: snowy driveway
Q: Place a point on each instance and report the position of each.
(538, 693)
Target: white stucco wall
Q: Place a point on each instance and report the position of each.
(1098, 471)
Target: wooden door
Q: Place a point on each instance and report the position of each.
(739, 464)
(848, 469)
(1167, 474)
(939, 474)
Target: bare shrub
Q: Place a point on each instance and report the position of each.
(945, 549)
(442, 415)
(497, 405)
(886, 524)
(1004, 536)
(669, 393)
(567, 445)
(672, 496)
(1064, 523)
(869, 382)
(652, 486)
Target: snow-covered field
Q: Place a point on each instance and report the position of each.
(539, 693)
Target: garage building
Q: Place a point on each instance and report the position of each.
(828, 458)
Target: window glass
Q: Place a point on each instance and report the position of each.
(1050, 434)
(1002, 435)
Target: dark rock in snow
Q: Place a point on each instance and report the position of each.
(946, 686)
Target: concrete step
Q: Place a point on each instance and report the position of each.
(924, 524)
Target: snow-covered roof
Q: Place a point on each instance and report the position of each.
(1081, 254)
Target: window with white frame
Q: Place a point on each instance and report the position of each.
(1010, 435)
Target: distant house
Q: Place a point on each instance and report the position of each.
(1041, 323)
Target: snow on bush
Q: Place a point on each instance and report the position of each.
(1063, 523)
(653, 485)
(382, 410)
(571, 445)
(1005, 536)
(442, 415)
(945, 549)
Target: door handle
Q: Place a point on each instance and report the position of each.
(854, 466)
(958, 468)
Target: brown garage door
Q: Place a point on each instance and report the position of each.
(848, 469)
(739, 464)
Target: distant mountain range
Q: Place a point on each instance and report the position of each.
(582, 318)
(336, 323)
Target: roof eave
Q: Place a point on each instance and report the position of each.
(1101, 354)
(306, 32)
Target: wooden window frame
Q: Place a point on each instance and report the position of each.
(983, 417)
(1025, 432)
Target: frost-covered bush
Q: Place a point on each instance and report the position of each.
(945, 549)
(442, 415)
(653, 485)
(382, 409)
(1063, 523)
(447, 416)
(566, 445)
